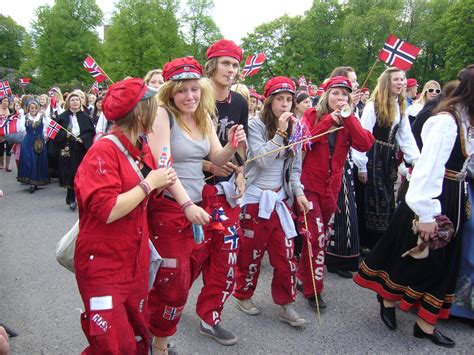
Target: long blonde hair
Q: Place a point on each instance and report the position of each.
(424, 93)
(384, 100)
(206, 106)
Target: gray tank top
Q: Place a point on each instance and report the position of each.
(187, 160)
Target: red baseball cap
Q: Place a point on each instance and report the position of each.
(338, 82)
(279, 84)
(224, 48)
(182, 69)
(122, 97)
(411, 82)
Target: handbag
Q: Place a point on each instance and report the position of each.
(443, 236)
(67, 244)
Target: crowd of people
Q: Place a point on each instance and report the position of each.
(191, 164)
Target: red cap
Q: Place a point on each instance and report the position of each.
(279, 84)
(122, 97)
(182, 69)
(338, 82)
(224, 48)
(254, 93)
(411, 82)
(320, 89)
(364, 89)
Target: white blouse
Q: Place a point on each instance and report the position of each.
(404, 136)
(21, 124)
(439, 135)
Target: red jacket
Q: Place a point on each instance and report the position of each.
(119, 250)
(322, 171)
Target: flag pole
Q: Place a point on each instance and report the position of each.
(370, 72)
(75, 137)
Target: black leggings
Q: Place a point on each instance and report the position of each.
(6, 146)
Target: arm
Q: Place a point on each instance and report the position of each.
(426, 183)
(258, 143)
(367, 122)
(361, 139)
(407, 142)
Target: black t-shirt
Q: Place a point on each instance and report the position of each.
(233, 110)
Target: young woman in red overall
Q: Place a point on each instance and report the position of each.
(183, 128)
(112, 252)
(322, 173)
(273, 183)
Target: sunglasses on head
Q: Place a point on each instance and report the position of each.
(434, 90)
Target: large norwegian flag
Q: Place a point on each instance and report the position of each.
(9, 126)
(53, 129)
(398, 53)
(253, 63)
(92, 67)
(5, 89)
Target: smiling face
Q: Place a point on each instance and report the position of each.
(337, 97)
(32, 109)
(397, 83)
(282, 102)
(226, 70)
(4, 103)
(188, 96)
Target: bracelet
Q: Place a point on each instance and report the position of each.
(145, 187)
(281, 133)
(186, 205)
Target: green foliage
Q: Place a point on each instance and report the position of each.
(64, 34)
(143, 35)
(200, 29)
(11, 38)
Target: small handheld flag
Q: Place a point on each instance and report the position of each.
(95, 87)
(302, 81)
(253, 63)
(5, 89)
(8, 127)
(24, 81)
(92, 67)
(53, 129)
(398, 53)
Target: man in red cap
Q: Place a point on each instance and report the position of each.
(218, 255)
(411, 91)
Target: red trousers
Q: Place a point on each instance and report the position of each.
(317, 220)
(260, 235)
(116, 317)
(217, 258)
(172, 237)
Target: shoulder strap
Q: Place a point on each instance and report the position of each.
(170, 117)
(126, 153)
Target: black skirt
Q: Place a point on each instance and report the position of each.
(343, 249)
(429, 283)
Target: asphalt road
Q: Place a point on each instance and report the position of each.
(39, 299)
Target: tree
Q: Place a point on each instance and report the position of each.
(200, 29)
(64, 34)
(143, 35)
(11, 38)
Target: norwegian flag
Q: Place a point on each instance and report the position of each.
(398, 53)
(53, 129)
(9, 126)
(232, 238)
(5, 89)
(253, 63)
(95, 87)
(24, 81)
(171, 313)
(302, 81)
(92, 67)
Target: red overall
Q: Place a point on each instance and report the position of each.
(217, 257)
(322, 179)
(111, 260)
(172, 236)
(260, 235)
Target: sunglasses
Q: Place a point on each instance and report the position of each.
(434, 90)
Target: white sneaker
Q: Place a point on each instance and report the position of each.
(288, 314)
(247, 306)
